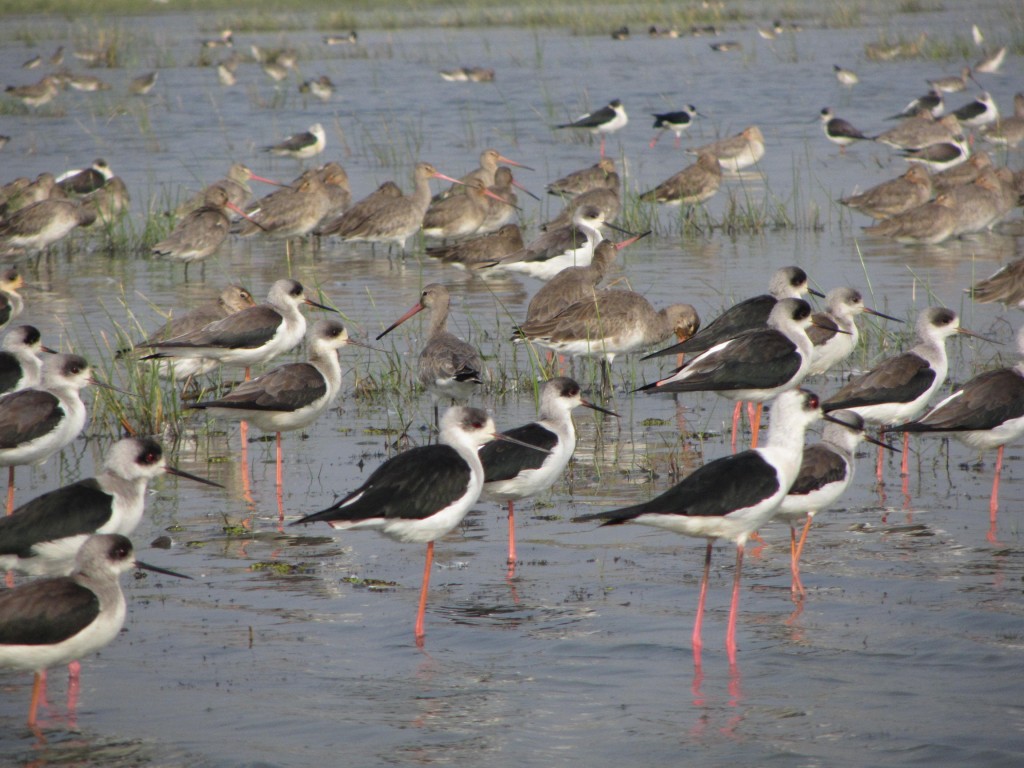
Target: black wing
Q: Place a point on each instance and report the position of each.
(503, 460)
(27, 415)
(593, 120)
(719, 487)
(749, 314)
(411, 486)
(986, 401)
(79, 508)
(899, 379)
(754, 360)
(286, 388)
(820, 466)
(46, 612)
(10, 371)
(252, 327)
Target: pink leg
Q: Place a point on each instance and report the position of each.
(730, 633)
(993, 506)
(511, 532)
(602, 145)
(696, 639)
(655, 140)
(736, 413)
(38, 681)
(10, 489)
(905, 464)
(74, 686)
(679, 141)
(798, 585)
(878, 465)
(423, 594)
(280, 481)
(755, 422)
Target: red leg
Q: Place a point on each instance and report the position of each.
(602, 145)
(736, 413)
(74, 686)
(511, 531)
(655, 140)
(730, 633)
(10, 489)
(993, 506)
(905, 464)
(878, 465)
(38, 681)
(755, 422)
(797, 583)
(423, 593)
(679, 141)
(696, 640)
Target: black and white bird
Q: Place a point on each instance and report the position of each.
(37, 422)
(839, 131)
(513, 471)
(749, 314)
(602, 122)
(834, 332)
(53, 621)
(20, 364)
(82, 181)
(755, 366)
(677, 122)
(448, 367)
(301, 146)
(731, 497)
(826, 471)
(977, 113)
(986, 412)
(845, 77)
(931, 103)
(939, 157)
(43, 536)
(898, 388)
(291, 396)
(252, 336)
(420, 495)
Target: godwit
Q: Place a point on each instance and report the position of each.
(351, 38)
(731, 498)
(826, 471)
(979, 205)
(86, 83)
(839, 131)
(43, 536)
(677, 122)
(891, 198)
(898, 388)
(355, 216)
(992, 62)
(490, 159)
(321, 87)
(53, 621)
(928, 224)
(236, 184)
(1006, 286)
(422, 494)
(22, 193)
(834, 332)
(291, 396)
(201, 232)
(36, 94)
(42, 224)
(920, 132)
(952, 83)
(578, 182)
(250, 337)
(736, 152)
(448, 366)
(468, 75)
(609, 324)
(480, 251)
(605, 197)
(20, 365)
(1010, 130)
(109, 202)
(572, 284)
(234, 298)
(143, 84)
(289, 212)
(301, 146)
(753, 367)
(460, 215)
(225, 40)
(986, 412)
(395, 220)
(749, 314)
(602, 122)
(691, 186)
(513, 471)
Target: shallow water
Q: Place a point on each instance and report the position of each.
(908, 647)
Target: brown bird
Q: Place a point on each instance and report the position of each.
(578, 182)
(891, 198)
(929, 224)
(480, 251)
(201, 232)
(691, 186)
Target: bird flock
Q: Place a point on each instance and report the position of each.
(762, 351)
